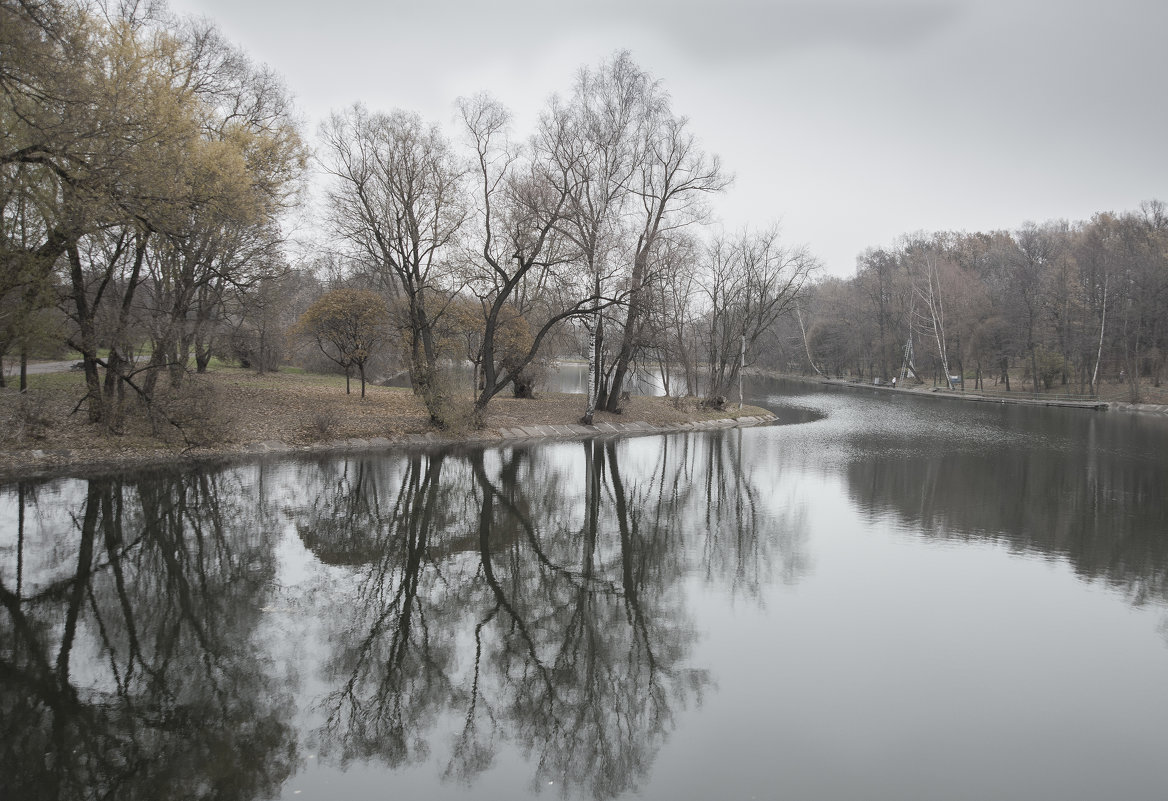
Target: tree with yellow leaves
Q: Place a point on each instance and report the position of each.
(349, 326)
(143, 155)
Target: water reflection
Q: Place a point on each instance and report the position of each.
(524, 616)
(520, 599)
(1106, 516)
(578, 637)
(126, 668)
(1084, 486)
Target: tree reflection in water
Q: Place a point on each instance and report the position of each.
(125, 667)
(1106, 516)
(530, 596)
(578, 634)
(469, 603)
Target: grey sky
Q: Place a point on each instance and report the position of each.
(849, 122)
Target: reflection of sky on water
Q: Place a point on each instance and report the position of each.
(890, 597)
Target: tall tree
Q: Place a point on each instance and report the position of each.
(121, 125)
(1037, 248)
(246, 164)
(597, 139)
(670, 183)
(521, 263)
(397, 199)
(926, 261)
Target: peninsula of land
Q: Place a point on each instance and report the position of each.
(233, 412)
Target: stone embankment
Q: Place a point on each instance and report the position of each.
(43, 463)
(1018, 400)
(506, 436)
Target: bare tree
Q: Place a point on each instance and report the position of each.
(521, 261)
(929, 308)
(671, 183)
(677, 314)
(1036, 248)
(750, 282)
(397, 199)
(598, 139)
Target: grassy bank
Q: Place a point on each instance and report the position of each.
(227, 410)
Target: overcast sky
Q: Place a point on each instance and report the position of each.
(850, 123)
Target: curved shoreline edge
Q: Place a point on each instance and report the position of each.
(974, 397)
(47, 464)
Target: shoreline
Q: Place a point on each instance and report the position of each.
(49, 463)
(401, 428)
(975, 397)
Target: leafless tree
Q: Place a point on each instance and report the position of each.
(598, 138)
(750, 282)
(520, 259)
(397, 198)
(671, 183)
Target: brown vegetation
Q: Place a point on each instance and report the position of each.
(227, 410)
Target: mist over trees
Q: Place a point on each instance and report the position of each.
(1060, 306)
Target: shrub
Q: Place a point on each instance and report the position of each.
(324, 423)
(194, 413)
(32, 415)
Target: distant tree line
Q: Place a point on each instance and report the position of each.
(1058, 306)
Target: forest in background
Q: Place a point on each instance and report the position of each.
(1061, 306)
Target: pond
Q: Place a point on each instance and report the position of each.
(887, 597)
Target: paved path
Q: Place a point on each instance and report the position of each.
(12, 367)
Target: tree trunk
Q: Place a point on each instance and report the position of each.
(202, 357)
(590, 409)
(86, 332)
(741, 369)
(629, 342)
(523, 386)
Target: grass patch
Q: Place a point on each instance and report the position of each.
(228, 408)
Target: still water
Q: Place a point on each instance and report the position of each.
(886, 598)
